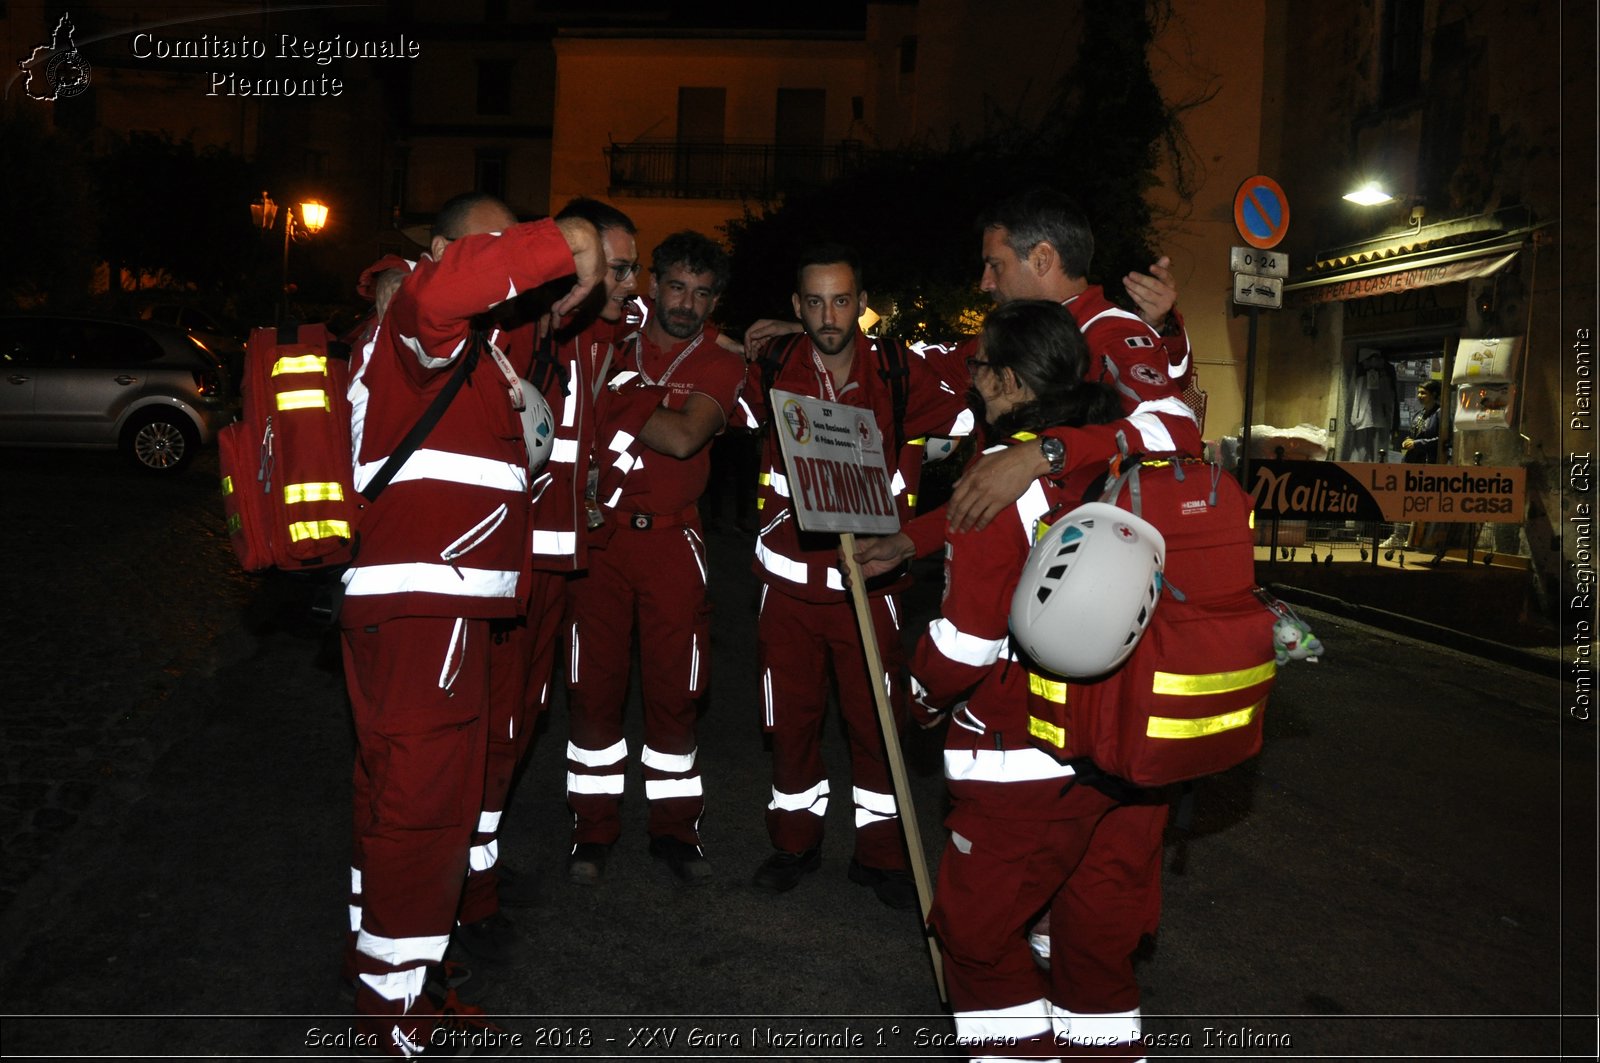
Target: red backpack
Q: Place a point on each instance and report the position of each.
(1190, 699)
(286, 465)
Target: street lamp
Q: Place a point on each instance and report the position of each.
(313, 217)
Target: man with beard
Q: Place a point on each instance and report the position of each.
(647, 563)
(806, 617)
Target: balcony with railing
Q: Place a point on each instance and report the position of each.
(688, 170)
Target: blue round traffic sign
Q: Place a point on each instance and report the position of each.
(1261, 212)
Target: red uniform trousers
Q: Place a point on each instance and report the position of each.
(522, 655)
(1101, 868)
(1112, 899)
(654, 579)
(418, 694)
(798, 641)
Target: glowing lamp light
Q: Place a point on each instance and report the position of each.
(313, 215)
(868, 318)
(1371, 194)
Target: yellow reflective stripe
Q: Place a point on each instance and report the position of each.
(1049, 689)
(1212, 683)
(304, 400)
(911, 500)
(1167, 727)
(332, 491)
(1048, 732)
(318, 529)
(301, 363)
(761, 503)
(235, 522)
(227, 485)
(765, 479)
(922, 442)
(1023, 437)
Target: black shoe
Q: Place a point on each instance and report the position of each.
(587, 863)
(491, 940)
(516, 889)
(781, 871)
(896, 889)
(685, 861)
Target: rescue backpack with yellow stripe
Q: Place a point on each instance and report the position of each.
(1190, 698)
(286, 465)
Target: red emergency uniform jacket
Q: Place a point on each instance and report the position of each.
(449, 536)
(806, 566)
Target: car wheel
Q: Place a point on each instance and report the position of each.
(161, 441)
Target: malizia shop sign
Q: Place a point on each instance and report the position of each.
(1349, 490)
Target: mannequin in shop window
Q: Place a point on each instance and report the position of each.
(1374, 406)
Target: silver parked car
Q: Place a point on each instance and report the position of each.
(99, 382)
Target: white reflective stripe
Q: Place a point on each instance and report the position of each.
(355, 881)
(594, 784)
(1030, 508)
(677, 763)
(694, 660)
(766, 694)
(1181, 366)
(793, 571)
(600, 758)
(483, 857)
(897, 486)
(1154, 434)
(355, 918)
(1114, 311)
(881, 803)
(401, 952)
(569, 409)
(560, 543)
(894, 611)
(962, 648)
(414, 345)
(1018, 1021)
(572, 662)
(780, 484)
(661, 789)
(1105, 1029)
(697, 547)
(750, 420)
(455, 655)
(616, 496)
(1002, 765)
(423, 578)
(625, 462)
(476, 535)
(620, 442)
(564, 450)
(427, 464)
(864, 818)
(402, 986)
(489, 822)
(964, 425)
(873, 801)
(812, 800)
(964, 719)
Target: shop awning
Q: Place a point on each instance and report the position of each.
(1403, 272)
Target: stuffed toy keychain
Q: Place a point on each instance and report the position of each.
(1292, 638)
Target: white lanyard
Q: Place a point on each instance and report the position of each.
(638, 357)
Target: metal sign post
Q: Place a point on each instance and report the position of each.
(1261, 215)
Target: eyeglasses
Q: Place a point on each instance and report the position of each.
(973, 363)
(623, 270)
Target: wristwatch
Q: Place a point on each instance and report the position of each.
(1055, 452)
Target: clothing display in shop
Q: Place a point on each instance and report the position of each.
(1374, 404)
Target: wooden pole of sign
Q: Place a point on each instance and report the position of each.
(891, 745)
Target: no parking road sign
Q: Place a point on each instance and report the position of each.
(1261, 212)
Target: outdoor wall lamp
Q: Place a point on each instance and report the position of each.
(1371, 194)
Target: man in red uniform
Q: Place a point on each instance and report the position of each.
(806, 618)
(647, 569)
(569, 368)
(443, 551)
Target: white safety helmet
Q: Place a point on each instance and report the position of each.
(1088, 590)
(538, 427)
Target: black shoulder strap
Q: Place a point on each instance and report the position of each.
(773, 360)
(895, 369)
(430, 417)
(547, 368)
